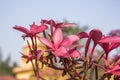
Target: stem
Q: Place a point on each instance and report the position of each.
(33, 43)
(91, 55)
(66, 69)
(85, 68)
(33, 66)
(51, 29)
(44, 34)
(100, 57)
(78, 75)
(91, 73)
(96, 72)
(29, 46)
(103, 77)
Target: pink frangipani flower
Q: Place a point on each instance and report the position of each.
(58, 41)
(109, 43)
(30, 57)
(58, 25)
(110, 69)
(34, 29)
(95, 35)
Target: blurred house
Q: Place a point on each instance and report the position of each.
(25, 72)
(7, 78)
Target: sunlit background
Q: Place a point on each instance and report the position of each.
(100, 14)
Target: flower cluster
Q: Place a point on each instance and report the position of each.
(66, 51)
(115, 32)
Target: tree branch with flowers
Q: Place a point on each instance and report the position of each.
(65, 51)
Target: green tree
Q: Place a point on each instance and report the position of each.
(73, 30)
(5, 68)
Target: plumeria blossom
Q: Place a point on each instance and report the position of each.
(34, 29)
(109, 43)
(30, 57)
(65, 50)
(92, 36)
(95, 35)
(115, 32)
(110, 69)
(53, 25)
(114, 69)
(58, 25)
(59, 43)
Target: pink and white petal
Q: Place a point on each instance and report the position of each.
(69, 40)
(57, 37)
(46, 42)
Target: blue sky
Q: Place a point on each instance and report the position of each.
(100, 14)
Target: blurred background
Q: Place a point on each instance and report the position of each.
(102, 14)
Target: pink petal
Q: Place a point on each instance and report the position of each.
(96, 35)
(37, 29)
(106, 63)
(116, 70)
(46, 42)
(112, 39)
(113, 46)
(22, 29)
(69, 40)
(39, 54)
(83, 35)
(57, 37)
(105, 46)
(109, 46)
(59, 25)
(51, 22)
(43, 21)
(75, 54)
(41, 28)
(25, 56)
(61, 52)
(33, 27)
